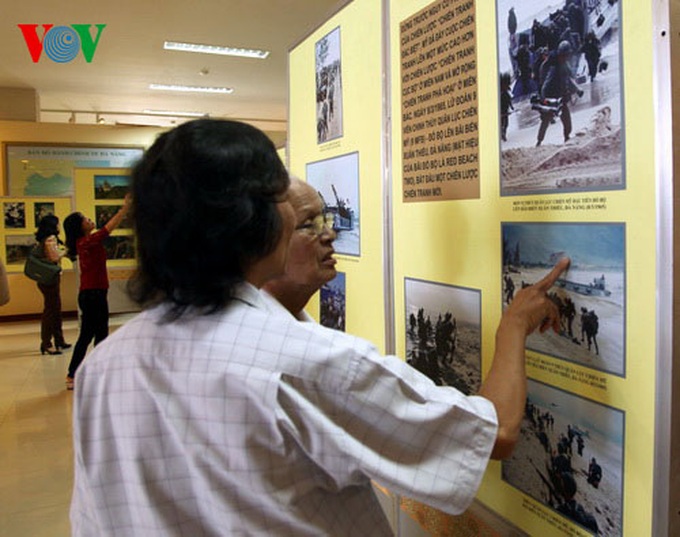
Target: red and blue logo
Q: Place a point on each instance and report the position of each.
(61, 43)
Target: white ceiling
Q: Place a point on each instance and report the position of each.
(130, 56)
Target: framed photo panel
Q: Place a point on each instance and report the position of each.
(561, 115)
(444, 333)
(328, 87)
(47, 169)
(570, 457)
(590, 296)
(337, 182)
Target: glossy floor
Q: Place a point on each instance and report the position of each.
(36, 453)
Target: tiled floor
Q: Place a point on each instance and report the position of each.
(36, 454)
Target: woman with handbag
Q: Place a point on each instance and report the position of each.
(49, 249)
(87, 245)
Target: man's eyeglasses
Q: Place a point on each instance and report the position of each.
(318, 224)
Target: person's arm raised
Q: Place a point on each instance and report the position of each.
(506, 383)
(117, 218)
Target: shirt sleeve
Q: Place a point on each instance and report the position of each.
(395, 426)
(94, 238)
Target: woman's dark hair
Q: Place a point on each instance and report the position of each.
(73, 227)
(204, 208)
(47, 227)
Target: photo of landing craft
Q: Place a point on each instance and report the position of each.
(337, 181)
(590, 296)
(561, 116)
(595, 288)
(343, 214)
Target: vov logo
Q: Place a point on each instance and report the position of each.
(61, 43)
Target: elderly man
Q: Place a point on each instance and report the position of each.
(310, 261)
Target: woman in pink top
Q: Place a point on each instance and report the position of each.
(87, 245)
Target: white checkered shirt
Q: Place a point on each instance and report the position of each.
(249, 422)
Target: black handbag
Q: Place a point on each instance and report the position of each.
(41, 270)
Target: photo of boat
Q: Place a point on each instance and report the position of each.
(596, 288)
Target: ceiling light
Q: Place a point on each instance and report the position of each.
(198, 89)
(175, 114)
(214, 49)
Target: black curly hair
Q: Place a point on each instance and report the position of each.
(48, 226)
(204, 208)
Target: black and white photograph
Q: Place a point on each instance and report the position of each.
(104, 213)
(337, 182)
(17, 248)
(444, 333)
(328, 87)
(15, 214)
(590, 295)
(333, 303)
(108, 187)
(561, 93)
(41, 209)
(570, 457)
(120, 247)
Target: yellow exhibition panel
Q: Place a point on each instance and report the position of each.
(338, 149)
(492, 175)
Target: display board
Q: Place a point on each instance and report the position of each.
(20, 217)
(47, 169)
(334, 143)
(557, 178)
(494, 175)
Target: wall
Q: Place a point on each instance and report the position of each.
(25, 297)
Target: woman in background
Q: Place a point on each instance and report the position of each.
(4, 285)
(87, 245)
(50, 248)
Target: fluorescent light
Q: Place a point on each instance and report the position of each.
(175, 114)
(214, 49)
(198, 89)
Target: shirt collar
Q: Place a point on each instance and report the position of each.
(249, 294)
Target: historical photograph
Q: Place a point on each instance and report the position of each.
(570, 458)
(333, 302)
(443, 333)
(42, 209)
(17, 248)
(337, 182)
(104, 213)
(561, 93)
(120, 247)
(328, 87)
(15, 214)
(111, 187)
(591, 295)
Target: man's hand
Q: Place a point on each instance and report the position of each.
(531, 305)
